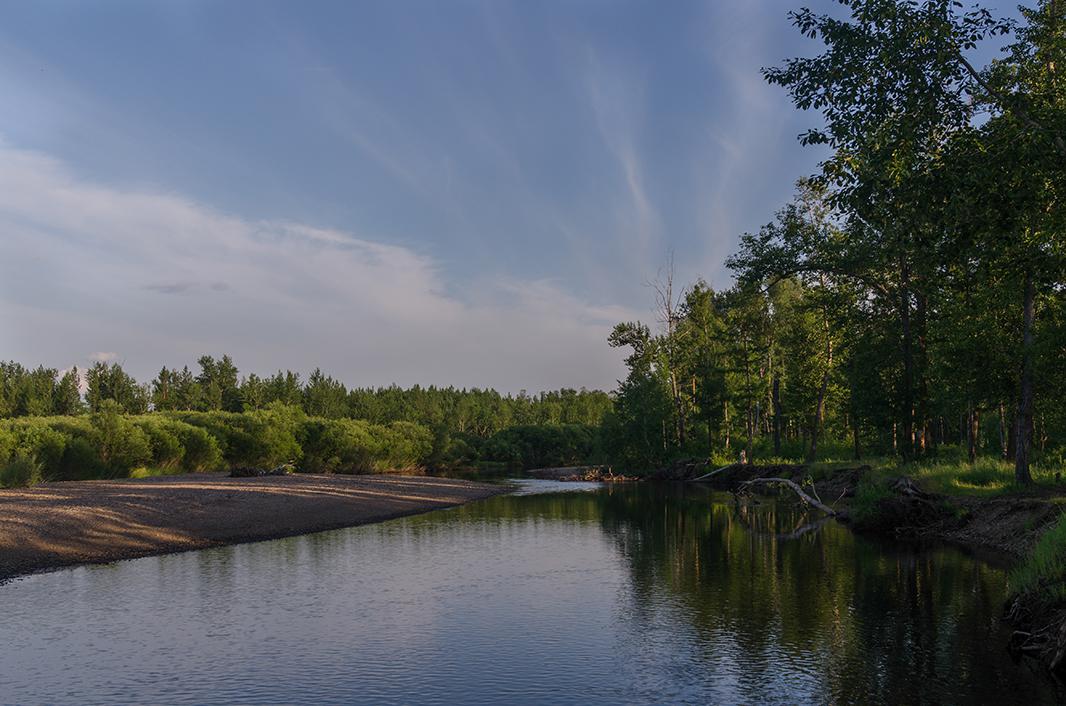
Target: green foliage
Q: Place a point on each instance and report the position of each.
(19, 471)
(542, 446)
(200, 449)
(1044, 572)
(167, 449)
(866, 506)
(985, 477)
(108, 382)
(261, 438)
(120, 444)
(41, 443)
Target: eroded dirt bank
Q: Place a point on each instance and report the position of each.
(62, 524)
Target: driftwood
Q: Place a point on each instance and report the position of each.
(713, 473)
(252, 472)
(796, 489)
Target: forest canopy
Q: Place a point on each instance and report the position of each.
(913, 294)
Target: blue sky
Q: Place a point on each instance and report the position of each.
(448, 192)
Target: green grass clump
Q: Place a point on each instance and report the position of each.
(1044, 572)
(866, 506)
(20, 471)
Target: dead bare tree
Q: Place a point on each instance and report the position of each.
(667, 309)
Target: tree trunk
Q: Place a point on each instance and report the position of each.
(971, 435)
(777, 415)
(725, 412)
(1003, 431)
(1024, 423)
(922, 401)
(908, 360)
(819, 408)
(679, 409)
(749, 420)
(855, 439)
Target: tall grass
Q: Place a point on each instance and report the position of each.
(1044, 572)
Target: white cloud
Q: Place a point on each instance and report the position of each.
(163, 279)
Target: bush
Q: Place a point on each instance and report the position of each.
(406, 445)
(7, 444)
(120, 444)
(542, 445)
(80, 461)
(20, 471)
(36, 440)
(201, 449)
(167, 449)
(339, 446)
(265, 437)
(355, 446)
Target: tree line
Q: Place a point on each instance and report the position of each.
(218, 386)
(913, 294)
(216, 419)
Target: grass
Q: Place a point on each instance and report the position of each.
(986, 477)
(145, 472)
(1044, 572)
(868, 496)
(950, 474)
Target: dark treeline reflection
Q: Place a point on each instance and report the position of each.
(792, 597)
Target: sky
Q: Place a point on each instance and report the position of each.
(455, 192)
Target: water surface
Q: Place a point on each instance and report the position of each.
(623, 594)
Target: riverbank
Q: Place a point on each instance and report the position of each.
(1024, 525)
(53, 525)
(566, 474)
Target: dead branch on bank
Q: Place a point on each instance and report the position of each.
(807, 499)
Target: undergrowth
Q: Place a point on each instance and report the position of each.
(1044, 572)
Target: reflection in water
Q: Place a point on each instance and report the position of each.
(624, 594)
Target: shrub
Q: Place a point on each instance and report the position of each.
(542, 445)
(339, 446)
(80, 461)
(275, 433)
(167, 449)
(37, 440)
(201, 449)
(120, 444)
(264, 437)
(20, 471)
(7, 444)
(406, 445)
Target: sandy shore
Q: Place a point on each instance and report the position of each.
(61, 524)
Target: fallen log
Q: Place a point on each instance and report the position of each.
(252, 472)
(712, 473)
(807, 499)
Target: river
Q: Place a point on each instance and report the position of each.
(623, 594)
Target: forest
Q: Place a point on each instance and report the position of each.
(913, 293)
(216, 419)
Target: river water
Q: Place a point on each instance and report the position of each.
(624, 594)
